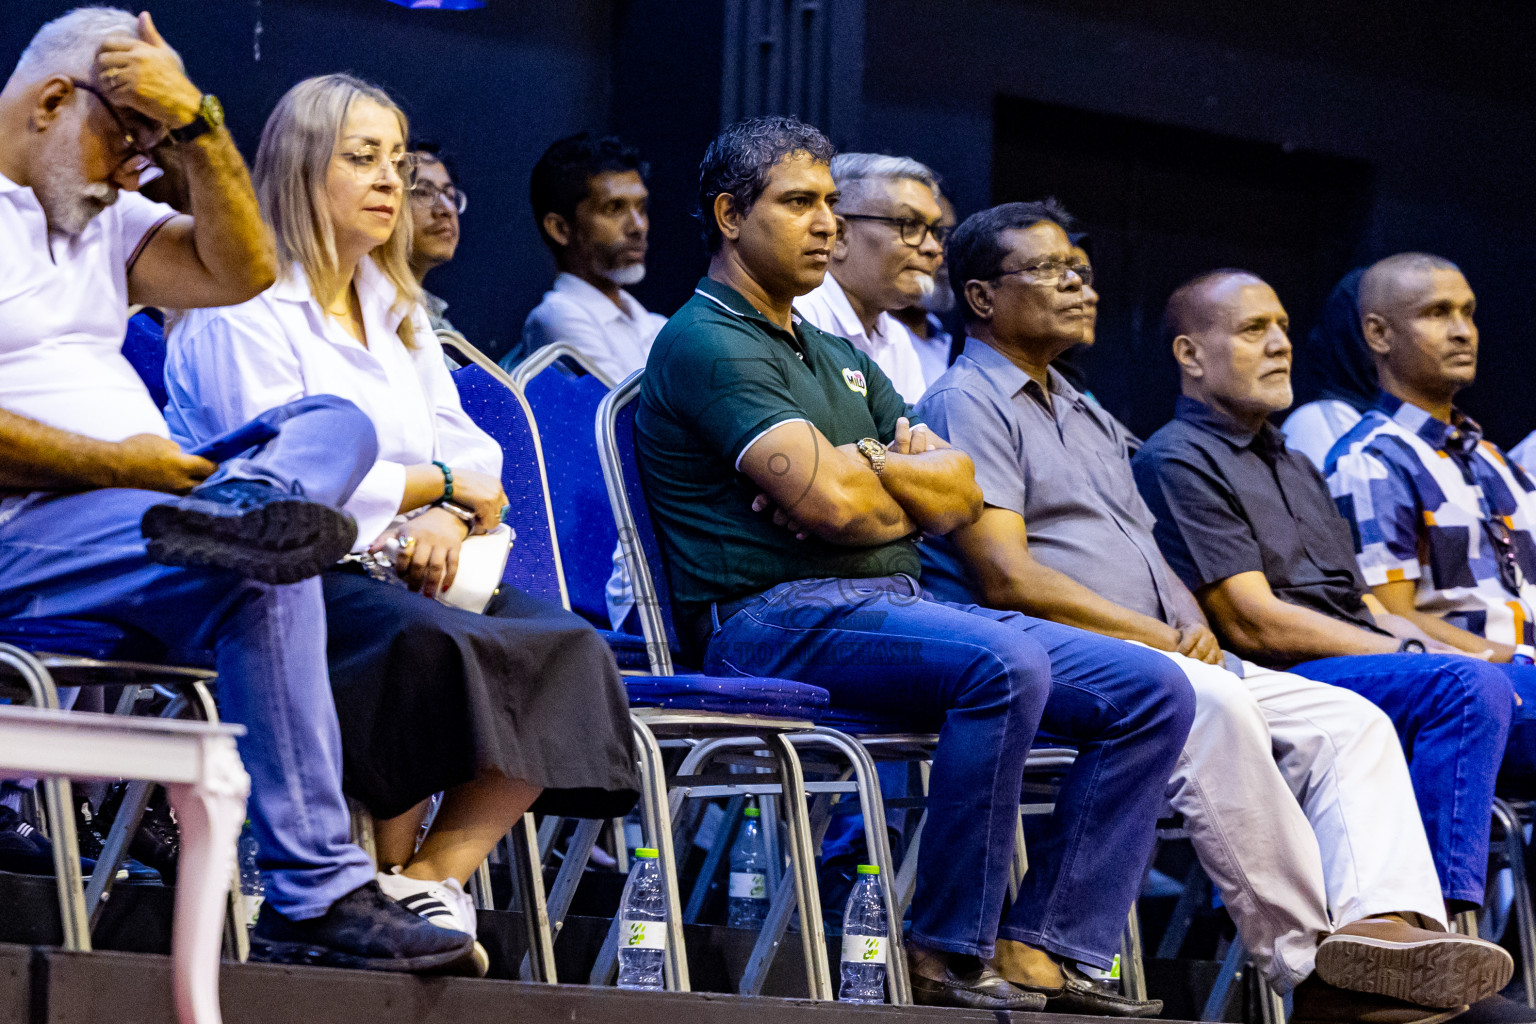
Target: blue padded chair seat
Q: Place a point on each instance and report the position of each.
(628, 650)
(783, 698)
(86, 638)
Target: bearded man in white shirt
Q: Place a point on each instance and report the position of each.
(890, 242)
(90, 523)
(591, 205)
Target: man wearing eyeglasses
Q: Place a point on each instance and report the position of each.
(436, 205)
(91, 525)
(889, 245)
(1294, 793)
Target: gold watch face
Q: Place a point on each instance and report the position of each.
(212, 110)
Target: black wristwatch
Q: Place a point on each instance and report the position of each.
(1412, 646)
(210, 115)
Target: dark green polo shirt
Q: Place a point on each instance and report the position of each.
(719, 376)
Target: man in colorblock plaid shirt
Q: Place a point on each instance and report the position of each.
(1443, 522)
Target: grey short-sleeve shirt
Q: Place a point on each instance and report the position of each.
(1063, 464)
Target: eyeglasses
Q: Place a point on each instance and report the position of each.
(1051, 272)
(1505, 556)
(912, 230)
(428, 193)
(139, 139)
(366, 162)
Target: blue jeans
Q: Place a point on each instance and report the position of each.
(1518, 774)
(82, 556)
(987, 681)
(1452, 714)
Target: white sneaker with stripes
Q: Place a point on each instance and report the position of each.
(444, 903)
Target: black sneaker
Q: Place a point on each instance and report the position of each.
(364, 930)
(26, 851)
(253, 529)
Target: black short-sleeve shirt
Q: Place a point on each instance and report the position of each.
(719, 376)
(1229, 501)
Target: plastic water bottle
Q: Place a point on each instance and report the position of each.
(643, 924)
(252, 888)
(865, 930)
(748, 904)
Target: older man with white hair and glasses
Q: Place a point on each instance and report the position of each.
(90, 523)
(890, 242)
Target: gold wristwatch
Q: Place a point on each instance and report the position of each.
(210, 115)
(874, 451)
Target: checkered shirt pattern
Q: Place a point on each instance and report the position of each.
(1425, 500)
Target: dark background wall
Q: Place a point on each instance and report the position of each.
(1299, 137)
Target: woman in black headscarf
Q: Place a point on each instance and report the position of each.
(1336, 356)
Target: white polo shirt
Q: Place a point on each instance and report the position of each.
(64, 313)
(890, 344)
(614, 341)
(226, 366)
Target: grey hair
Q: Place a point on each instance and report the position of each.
(738, 163)
(851, 170)
(68, 43)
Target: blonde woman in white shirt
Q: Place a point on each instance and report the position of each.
(493, 709)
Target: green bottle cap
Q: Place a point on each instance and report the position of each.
(751, 812)
(869, 869)
(646, 853)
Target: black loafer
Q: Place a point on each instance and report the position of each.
(975, 986)
(1082, 996)
(251, 529)
(365, 930)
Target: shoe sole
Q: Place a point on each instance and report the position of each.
(279, 542)
(462, 960)
(1443, 973)
(1033, 1002)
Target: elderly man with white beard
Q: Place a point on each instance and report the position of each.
(890, 242)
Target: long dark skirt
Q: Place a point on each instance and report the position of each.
(427, 695)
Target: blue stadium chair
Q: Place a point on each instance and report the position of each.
(663, 705)
(565, 405)
(144, 348)
(564, 393)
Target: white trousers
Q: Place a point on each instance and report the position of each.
(1298, 802)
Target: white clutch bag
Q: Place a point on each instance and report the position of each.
(482, 560)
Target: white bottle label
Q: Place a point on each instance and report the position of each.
(749, 885)
(863, 949)
(643, 934)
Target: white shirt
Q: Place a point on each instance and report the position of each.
(1524, 454)
(63, 315)
(890, 344)
(226, 366)
(614, 341)
(1314, 428)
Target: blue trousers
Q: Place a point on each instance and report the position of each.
(82, 556)
(986, 681)
(1453, 716)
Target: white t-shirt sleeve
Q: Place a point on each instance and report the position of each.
(140, 219)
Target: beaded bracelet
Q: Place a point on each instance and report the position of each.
(447, 479)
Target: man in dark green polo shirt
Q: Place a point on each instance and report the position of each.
(789, 491)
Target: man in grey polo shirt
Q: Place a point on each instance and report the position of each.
(1295, 793)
